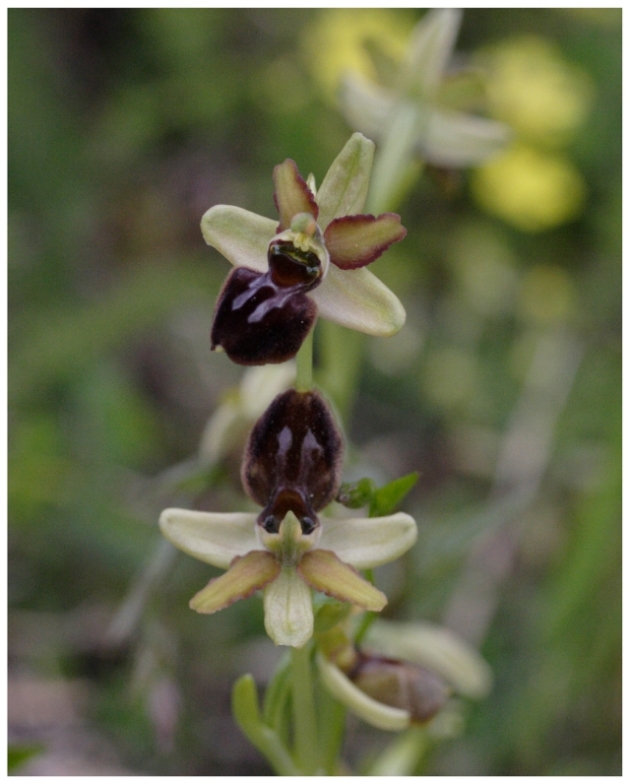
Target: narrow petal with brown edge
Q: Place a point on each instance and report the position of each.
(324, 572)
(357, 240)
(245, 576)
(291, 193)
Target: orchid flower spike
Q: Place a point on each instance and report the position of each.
(292, 469)
(310, 263)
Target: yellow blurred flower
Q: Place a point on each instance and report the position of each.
(531, 87)
(336, 42)
(532, 190)
(545, 99)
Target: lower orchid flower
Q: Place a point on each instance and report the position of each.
(286, 565)
(291, 468)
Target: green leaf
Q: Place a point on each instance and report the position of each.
(355, 495)
(245, 703)
(389, 497)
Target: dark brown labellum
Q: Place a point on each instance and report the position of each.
(293, 459)
(257, 322)
(400, 684)
(263, 318)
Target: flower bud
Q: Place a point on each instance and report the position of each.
(293, 459)
(401, 685)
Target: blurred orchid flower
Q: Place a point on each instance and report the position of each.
(409, 118)
(313, 261)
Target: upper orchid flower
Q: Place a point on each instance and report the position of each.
(311, 262)
(411, 117)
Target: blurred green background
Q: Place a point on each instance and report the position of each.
(503, 389)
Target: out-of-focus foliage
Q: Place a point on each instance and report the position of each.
(503, 389)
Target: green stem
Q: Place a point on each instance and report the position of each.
(367, 620)
(332, 715)
(304, 359)
(304, 717)
(403, 755)
(341, 353)
(247, 715)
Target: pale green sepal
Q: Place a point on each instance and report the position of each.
(432, 43)
(358, 300)
(245, 576)
(260, 385)
(209, 536)
(288, 609)
(345, 186)
(366, 543)
(375, 713)
(455, 139)
(241, 236)
(227, 428)
(438, 649)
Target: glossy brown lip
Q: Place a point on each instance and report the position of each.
(257, 322)
(293, 460)
(263, 318)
